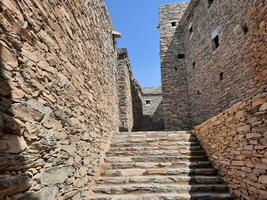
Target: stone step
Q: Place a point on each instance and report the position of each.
(160, 179)
(153, 140)
(146, 165)
(158, 188)
(164, 196)
(157, 144)
(149, 148)
(155, 158)
(155, 136)
(153, 133)
(158, 171)
(156, 152)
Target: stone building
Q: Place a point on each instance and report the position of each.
(204, 59)
(152, 109)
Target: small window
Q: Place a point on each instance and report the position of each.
(210, 2)
(198, 92)
(148, 102)
(181, 56)
(173, 23)
(175, 69)
(194, 65)
(245, 29)
(221, 76)
(191, 30)
(216, 42)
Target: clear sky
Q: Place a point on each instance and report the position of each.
(137, 21)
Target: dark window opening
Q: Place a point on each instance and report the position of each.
(148, 102)
(216, 42)
(173, 23)
(191, 30)
(210, 2)
(198, 92)
(221, 76)
(181, 56)
(175, 69)
(194, 65)
(245, 29)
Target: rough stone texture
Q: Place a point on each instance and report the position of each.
(58, 95)
(130, 94)
(173, 70)
(240, 26)
(159, 166)
(236, 143)
(152, 109)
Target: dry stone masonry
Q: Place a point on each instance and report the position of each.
(66, 90)
(58, 96)
(207, 57)
(214, 58)
(130, 95)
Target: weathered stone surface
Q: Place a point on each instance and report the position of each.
(124, 178)
(55, 175)
(152, 109)
(57, 85)
(12, 144)
(236, 150)
(10, 185)
(198, 80)
(48, 193)
(130, 95)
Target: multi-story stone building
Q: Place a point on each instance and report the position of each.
(204, 59)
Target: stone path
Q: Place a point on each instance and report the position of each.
(158, 166)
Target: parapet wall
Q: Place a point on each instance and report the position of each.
(236, 143)
(58, 96)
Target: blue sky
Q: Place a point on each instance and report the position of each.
(137, 20)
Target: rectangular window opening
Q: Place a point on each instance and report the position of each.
(216, 42)
(194, 65)
(181, 56)
(210, 2)
(173, 23)
(221, 76)
(148, 102)
(245, 28)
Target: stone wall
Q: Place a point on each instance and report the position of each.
(213, 78)
(124, 91)
(58, 97)
(137, 97)
(152, 109)
(173, 69)
(130, 95)
(236, 142)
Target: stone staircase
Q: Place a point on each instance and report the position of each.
(158, 166)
